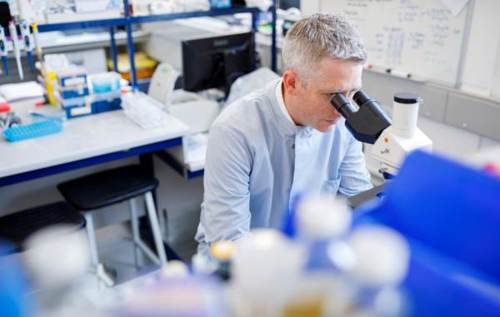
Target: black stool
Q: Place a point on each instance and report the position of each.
(103, 189)
(18, 226)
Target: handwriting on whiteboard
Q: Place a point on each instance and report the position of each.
(419, 36)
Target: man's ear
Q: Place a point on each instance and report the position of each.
(291, 81)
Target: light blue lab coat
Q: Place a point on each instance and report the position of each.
(258, 161)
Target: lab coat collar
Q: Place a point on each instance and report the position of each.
(284, 121)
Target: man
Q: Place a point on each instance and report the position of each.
(286, 139)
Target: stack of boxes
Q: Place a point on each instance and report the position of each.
(73, 92)
(106, 92)
(80, 94)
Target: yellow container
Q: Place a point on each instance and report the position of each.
(50, 85)
(144, 65)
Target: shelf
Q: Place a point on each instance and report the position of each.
(82, 25)
(141, 19)
(193, 14)
(129, 21)
(76, 43)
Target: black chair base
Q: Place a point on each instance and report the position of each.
(18, 226)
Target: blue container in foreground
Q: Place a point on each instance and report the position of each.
(14, 298)
(450, 214)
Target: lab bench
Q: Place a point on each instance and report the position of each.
(83, 142)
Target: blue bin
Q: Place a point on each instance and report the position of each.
(450, 214)
(106, 105)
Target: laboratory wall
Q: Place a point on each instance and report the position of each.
(451, 136)
(461, 121)
(479, 69)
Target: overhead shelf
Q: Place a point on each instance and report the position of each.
(193, 14)
(141, 19)
(129, 21)
(82, 25)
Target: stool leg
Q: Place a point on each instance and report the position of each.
(155, 228)
(91, 236)
(98, 267)
(162, 222)
(135, 232)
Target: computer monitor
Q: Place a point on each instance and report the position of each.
(238, 3)
(286, 4)
(216, 62)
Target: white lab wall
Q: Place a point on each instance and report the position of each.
(450, 141)
(487, 144)
(495, 80)
(482, 64)
(483, 49)
(309, 7)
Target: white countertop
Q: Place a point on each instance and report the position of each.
(81, 138)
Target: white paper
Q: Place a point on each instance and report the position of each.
(19, 91)
(455, 6)
(144, 110)
(194, 148)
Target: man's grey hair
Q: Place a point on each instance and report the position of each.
(318, 36)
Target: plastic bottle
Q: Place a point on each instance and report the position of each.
(176, 297)
(222, 253)
(382, 257)
(266, 267)
(57, 259)
(321, 222)
(217, 261)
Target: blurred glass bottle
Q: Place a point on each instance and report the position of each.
(186, 296)
(57, 259)
(382, 258)
(320, 225)
(265, 269)
(347, 273)
(217, 261)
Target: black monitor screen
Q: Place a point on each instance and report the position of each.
(286, 4)
(216, 62)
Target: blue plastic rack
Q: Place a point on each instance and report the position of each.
(33, 130)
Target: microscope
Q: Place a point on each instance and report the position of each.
(391, 140)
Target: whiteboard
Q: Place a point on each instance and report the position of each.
(418, 37)
(481, 69)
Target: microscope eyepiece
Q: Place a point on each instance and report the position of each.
(342, 104)
(360, 98)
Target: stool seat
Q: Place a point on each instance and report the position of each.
(20, 225)
(107, 188)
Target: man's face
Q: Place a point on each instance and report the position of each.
(312, 94)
